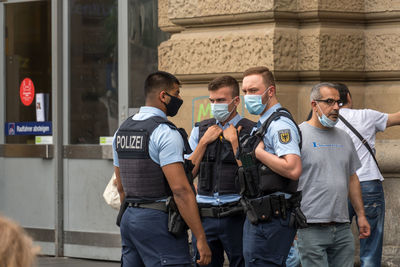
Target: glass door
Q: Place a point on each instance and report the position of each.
(28, 70)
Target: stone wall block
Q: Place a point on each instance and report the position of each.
(163, 21)
(342, 51)
(308, 50)
(391, 244)
(307, 5)
(202, 8)
(342, 5)
(382, 5)
(216, 52)
(285, 5)
(383, 50)
(286, 50)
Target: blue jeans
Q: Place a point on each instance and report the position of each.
(146, 241)
(223, 234)
(267, 244)
(374, 205)
(293, 259)
(328, 245)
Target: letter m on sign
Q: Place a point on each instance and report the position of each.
(201, 109)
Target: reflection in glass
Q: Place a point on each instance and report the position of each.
(28, 55)
(93, 70)
(144, 39)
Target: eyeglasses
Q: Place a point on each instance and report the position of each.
(331, 102)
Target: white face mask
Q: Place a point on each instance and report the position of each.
(221, 111)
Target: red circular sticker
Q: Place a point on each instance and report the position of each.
(27, 91)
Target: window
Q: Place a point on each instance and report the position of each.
(144, 39)
(93, 70)
(28, 65)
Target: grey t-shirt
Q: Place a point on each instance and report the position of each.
(329, 159)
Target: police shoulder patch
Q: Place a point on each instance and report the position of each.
(284, 136)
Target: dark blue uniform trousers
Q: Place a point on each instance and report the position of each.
(223, 234)
(147, 243)
(267, 244)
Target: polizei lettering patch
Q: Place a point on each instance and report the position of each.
(131, 141)
(284, 136)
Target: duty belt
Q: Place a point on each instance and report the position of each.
(221, 211)
(154, 206)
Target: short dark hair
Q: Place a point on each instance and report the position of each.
(224, 81)
(343, 91)
(159, 80)
(267, 75)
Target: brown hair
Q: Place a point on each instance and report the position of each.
(266, 74)
(224, 81)
(16, 247)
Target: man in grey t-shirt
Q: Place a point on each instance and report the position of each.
(329, 178)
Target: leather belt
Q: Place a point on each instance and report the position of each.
(326, 224)
(220, 212)
(154, 206)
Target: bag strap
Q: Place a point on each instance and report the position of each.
(275, 116)
(181, 131)
(362, 139)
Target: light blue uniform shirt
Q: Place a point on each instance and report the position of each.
(272, 139)
(165, 145)
(216, 199)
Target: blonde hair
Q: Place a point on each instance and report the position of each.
(16, 247)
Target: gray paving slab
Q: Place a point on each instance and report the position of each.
(73, 262)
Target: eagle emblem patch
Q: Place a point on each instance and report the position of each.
(284, 136)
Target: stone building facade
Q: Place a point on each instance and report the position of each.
(304, 42)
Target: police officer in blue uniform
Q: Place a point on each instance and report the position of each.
(270, 194)
(214, 142)
(148, 157)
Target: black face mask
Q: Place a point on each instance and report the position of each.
(173, 105)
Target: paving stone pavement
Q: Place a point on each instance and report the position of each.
(47, 261)
(44, 261)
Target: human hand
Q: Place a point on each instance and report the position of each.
(231, 134)
(259, 148)
(363, 227)
(204, 252)
(211, 134)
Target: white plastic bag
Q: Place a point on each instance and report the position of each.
(111, 195)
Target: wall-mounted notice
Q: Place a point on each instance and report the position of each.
(28, 128)
(44, 140)
(27, 91)
(42, 107)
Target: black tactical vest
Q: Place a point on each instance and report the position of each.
(142, 178)
(268, 181)
(218, 168)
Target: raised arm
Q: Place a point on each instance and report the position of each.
(393, 119)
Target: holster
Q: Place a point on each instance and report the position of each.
(123, 207)
(264, 208)
(257, 210)
(176, 224)
(297, 217)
